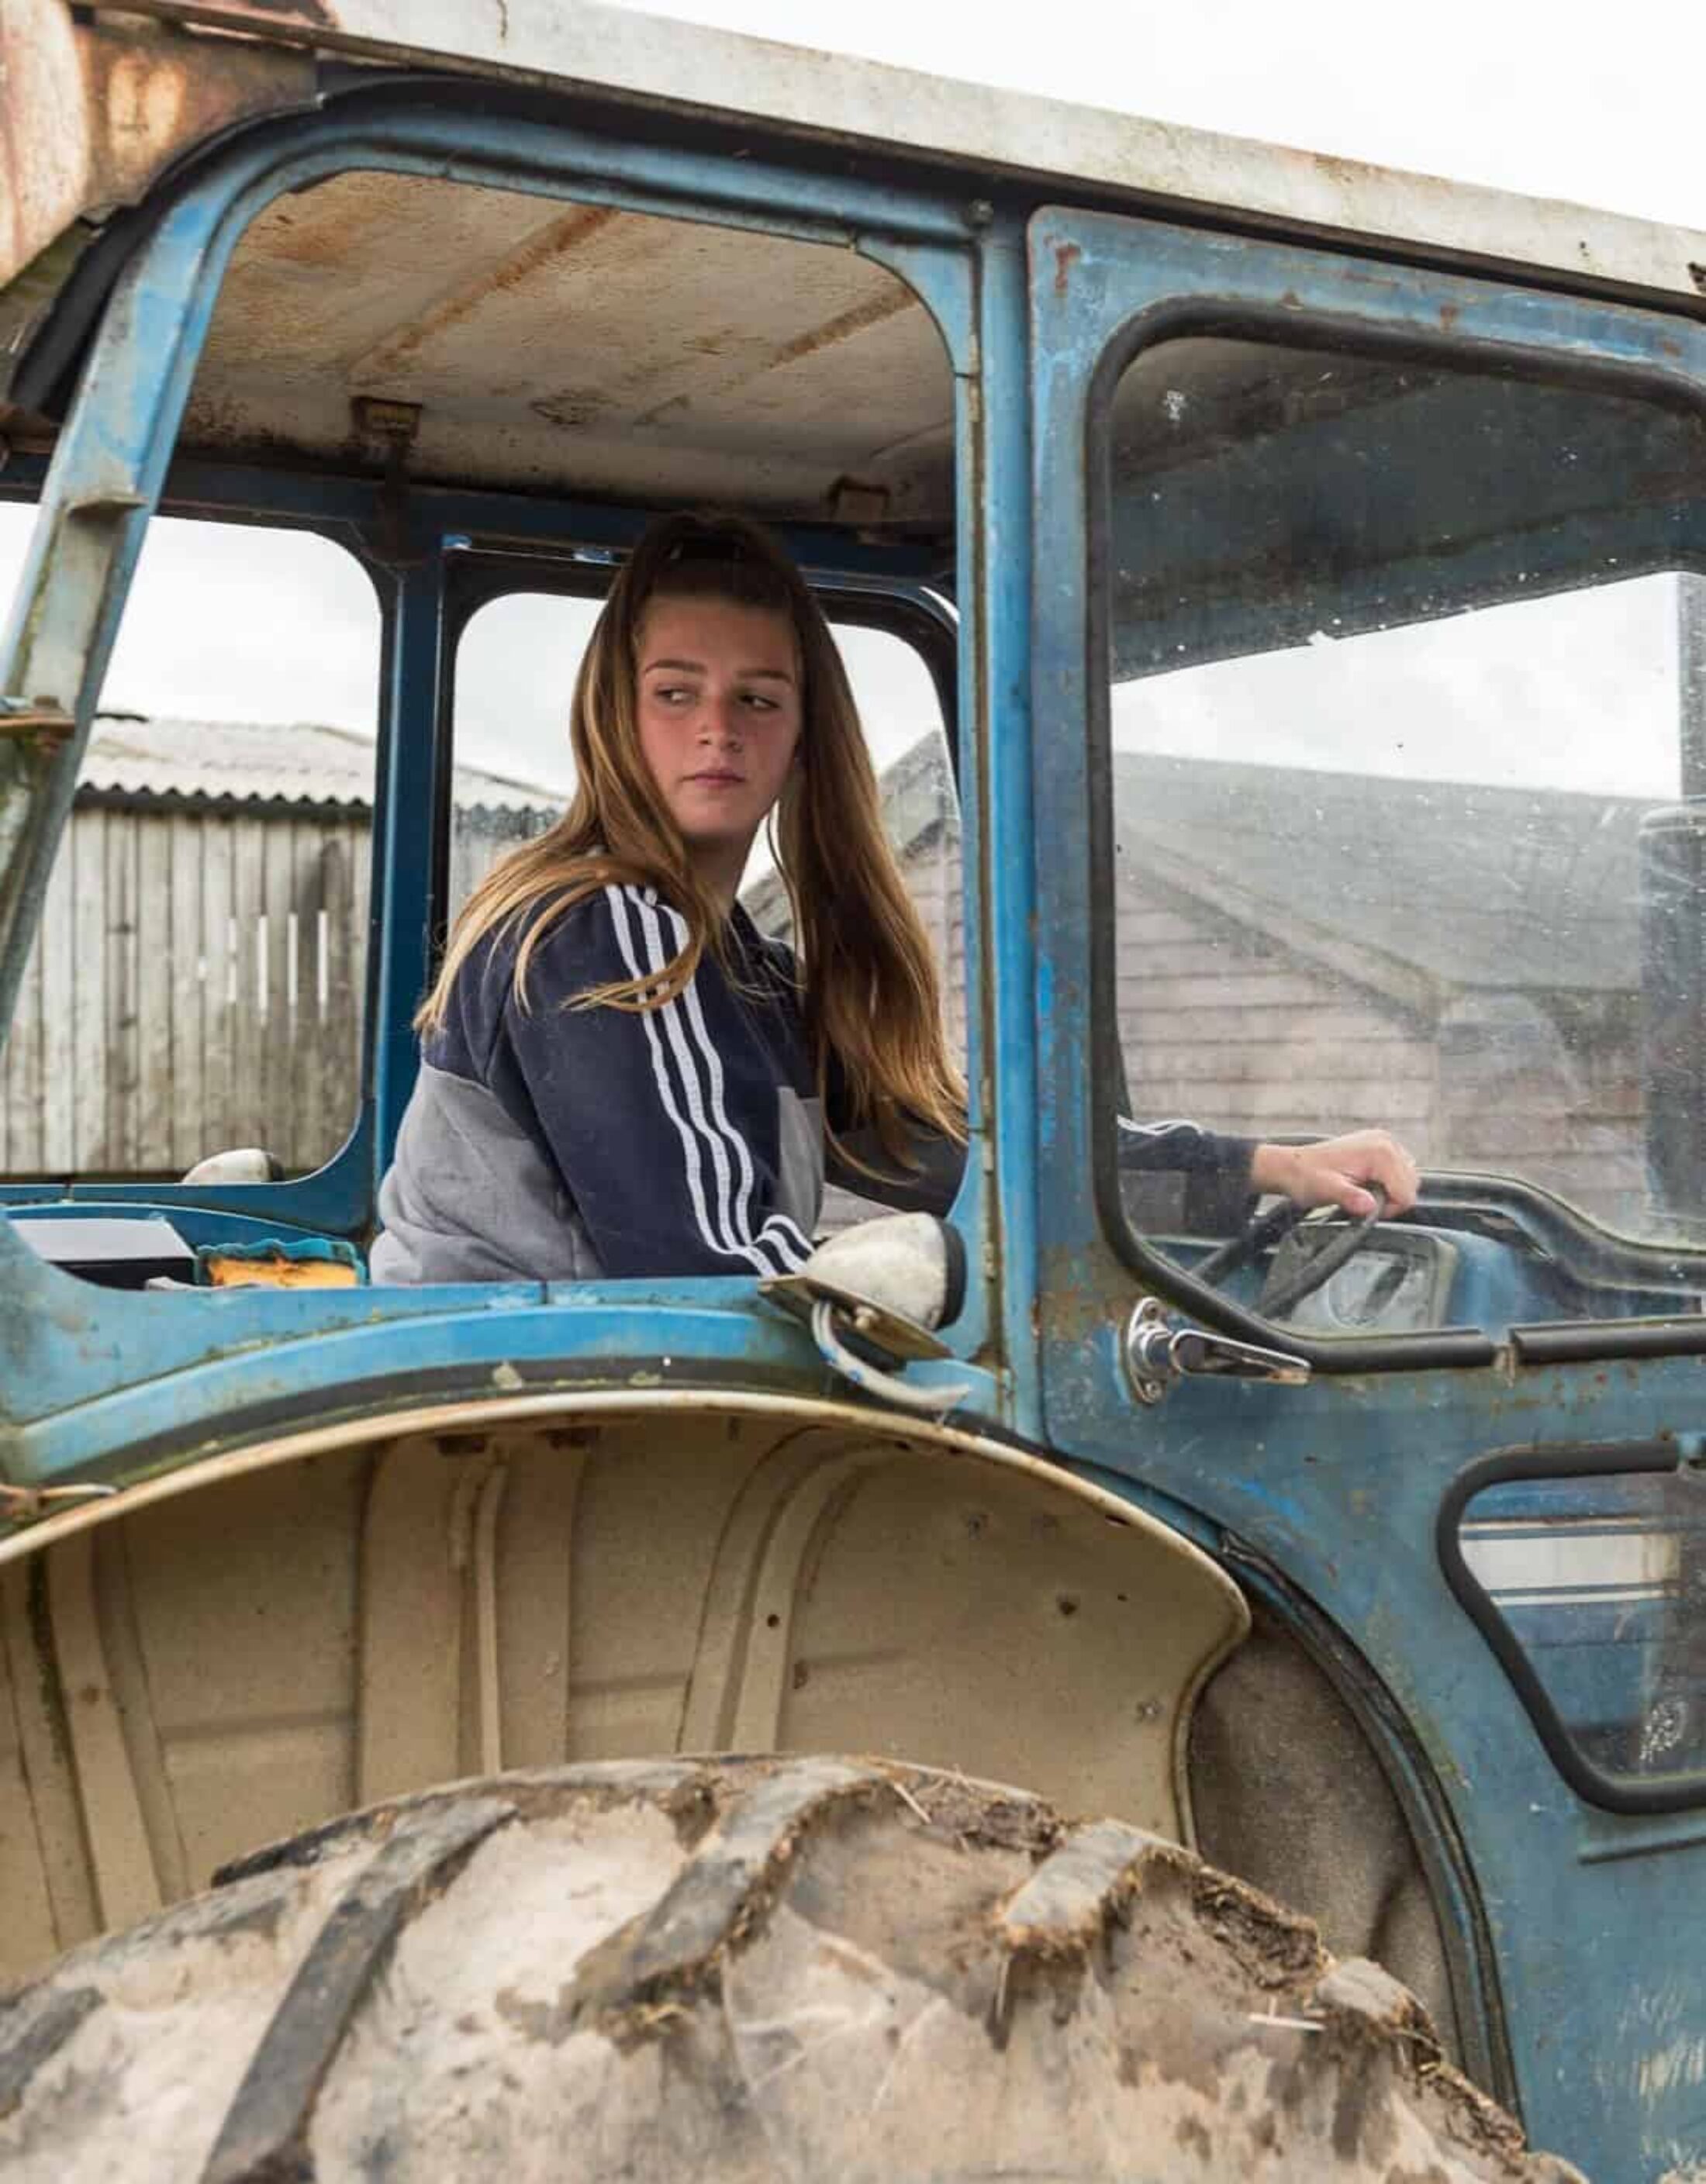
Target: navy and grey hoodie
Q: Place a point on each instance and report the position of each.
(555, 1143)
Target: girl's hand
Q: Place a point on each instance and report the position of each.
(1333, 1172)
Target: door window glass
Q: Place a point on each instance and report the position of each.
(1405, 722)
(1593, 1589)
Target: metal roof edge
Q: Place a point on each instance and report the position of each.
(623, 54)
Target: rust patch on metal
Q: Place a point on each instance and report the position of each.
(676, 405)
(91, 113)
(572, 409)
(844, 325)
(1067, 255)
(1449, 315)
(553, 241)
(307, 14)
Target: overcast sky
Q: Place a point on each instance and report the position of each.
(1554, 98)
(1594, 104)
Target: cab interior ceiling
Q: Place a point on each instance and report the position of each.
(570, 350)
(1262, 493)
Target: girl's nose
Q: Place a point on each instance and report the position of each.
(719, 721)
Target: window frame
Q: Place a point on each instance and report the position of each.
(1315, 310)
(342, 512)
(1595, 1784)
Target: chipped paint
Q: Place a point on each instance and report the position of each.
(1681, 2065)
(853, 102)
(545, 345)
(93, 111)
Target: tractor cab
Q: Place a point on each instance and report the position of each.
(1273, 603)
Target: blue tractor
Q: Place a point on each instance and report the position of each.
(1122, 1683)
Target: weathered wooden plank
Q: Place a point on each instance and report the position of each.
(24, 1073)
(1516, 1139)
(341, 1004)
(1331, 1106)
(55, 939)
(277, 883)
(155, 1092)
(218, 986)
(315, 1137)
(188, 1134)
(360, 933)
(469, 861)
(6, 1105)
(1143, 926)
(249, 1118)
(1212, 1025)
(89, 1056)
(1235, 990)
(122, 1045)
(1294, 1061)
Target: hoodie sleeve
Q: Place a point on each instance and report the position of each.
(930, 1187)
(1183, 1149)
(663, 1123)
(1218, 1195)
(1166, 1147)
(927, 1183)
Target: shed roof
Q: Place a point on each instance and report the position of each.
(223, 761)
(1424, 891)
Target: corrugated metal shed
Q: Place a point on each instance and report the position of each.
(305, 764)
(1472, 885)
(1418, 891)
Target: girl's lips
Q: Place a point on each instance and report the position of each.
(718, 780)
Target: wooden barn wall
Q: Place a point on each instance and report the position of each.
(198, 982)
(1224, 1026)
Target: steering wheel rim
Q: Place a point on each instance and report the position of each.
(1266, 1232)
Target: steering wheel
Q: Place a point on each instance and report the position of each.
(1267, 1231)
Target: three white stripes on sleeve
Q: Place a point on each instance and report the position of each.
(676, 1033)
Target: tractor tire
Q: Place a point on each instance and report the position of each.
(749, 1970)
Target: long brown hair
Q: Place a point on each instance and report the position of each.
(871, 996)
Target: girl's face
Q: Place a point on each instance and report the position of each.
(718, 701)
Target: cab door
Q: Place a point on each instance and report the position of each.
(1370, 790)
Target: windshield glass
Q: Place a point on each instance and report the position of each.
(1406, 713)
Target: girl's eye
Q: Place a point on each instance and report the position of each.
(758, 702)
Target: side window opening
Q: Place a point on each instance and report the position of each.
(197, 978)
(512, 773)
(596, 358)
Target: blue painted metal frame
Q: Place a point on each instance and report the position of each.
(96, 1379)
(1598, 1984)
(338, 1198)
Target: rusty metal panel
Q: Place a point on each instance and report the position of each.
(580, 347)
(640, 57)
(91, 114)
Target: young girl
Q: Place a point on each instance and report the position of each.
(619, 1075)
